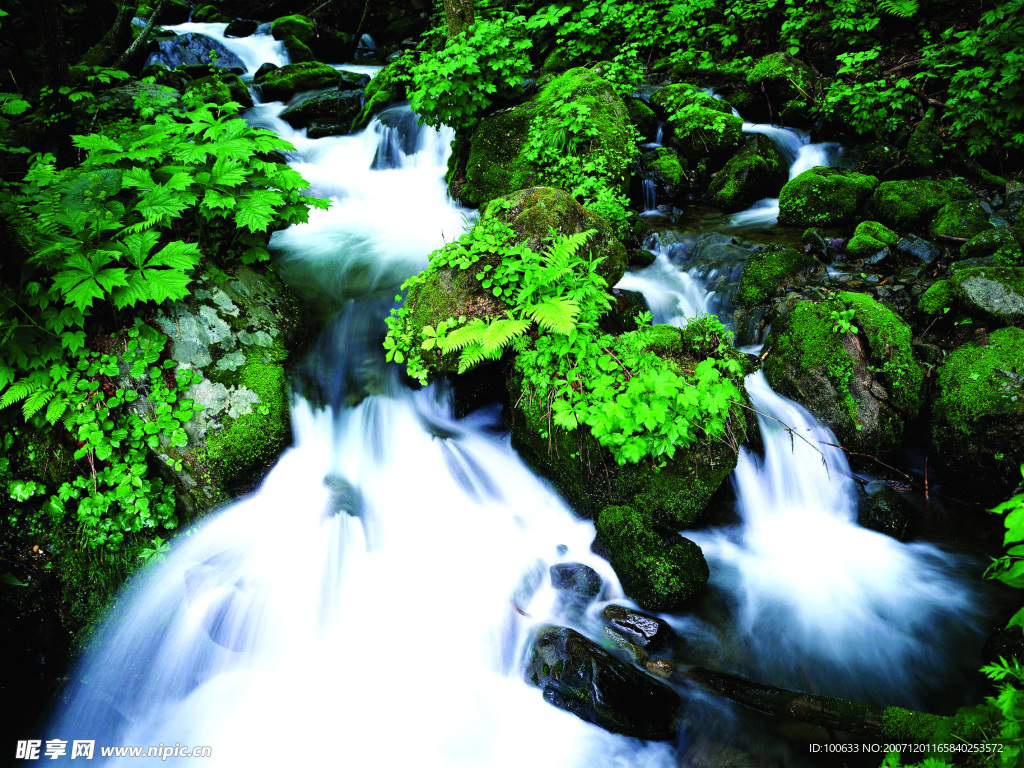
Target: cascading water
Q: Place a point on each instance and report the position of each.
(357, 608)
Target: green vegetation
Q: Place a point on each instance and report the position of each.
(765, 272)
(824, 197)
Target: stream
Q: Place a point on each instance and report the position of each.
(358, 609)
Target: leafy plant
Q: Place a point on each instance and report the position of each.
(842, 320)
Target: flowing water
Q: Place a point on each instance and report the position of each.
(361, 607)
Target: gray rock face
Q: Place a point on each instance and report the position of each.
(997, 293)
(193, 48)
(579, 676)
(917, 249)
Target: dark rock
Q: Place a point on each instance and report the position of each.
(297, 50)
(241, 28)
(193, 49)
(579, 676)
(625, 307)
(638, 257)
(919, 249)
(757, 171)
(578, 586)
(882, 508)
(264, 68)
(335, 108)
(646, 631)
(960, 219)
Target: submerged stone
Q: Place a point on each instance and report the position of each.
(646, 631)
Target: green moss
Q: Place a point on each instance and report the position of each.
(210, 14)
(989, 242)
(755, 172)
(222, 88)
(665, 164)
(659, 576)
(389, 86)
(642, 117)
(764, 273)
(301, 26)
(905, 724)
(959, 219)
(869, 238)
(556, 61)
(248, 444)
(824, 197)
(787, 83)
(912, 204)
(938, 297)
(283, 83)
(297, 50)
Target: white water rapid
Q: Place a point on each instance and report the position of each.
(357, 610)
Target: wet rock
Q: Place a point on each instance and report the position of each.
(700, 127)
(663, 168)
(643, 118)
(283, 83)
(990, 242)
(757, 171)
(297, 50)
(635, 652)
(916, 249)
(824, 197)
(766, 273)
(648, 632)
(578, 676)
(301, 27)
(578, 586)
(912, 204)
(241, 28)
(960, 219)
(881, 508)
(638, 257)
(662, 668)
(621, 318)
(191, 49)
(387, 88)
(336, 108)
(864, 386)
(995, 292)
(264, 69)
(978, 415)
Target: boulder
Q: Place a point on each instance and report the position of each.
(700, 127)
(863, 385)
(660, 572)
(491, 161)
(663, 167)
(960, 219)
(192, 49)
(579, 676)
(389, 86)
(298, 51)
(916, 250)
(757, 171)
(990, 242)
(978, 415)
(824, 197)
(786, 86)
(210, 14)
(648, 632)
(940, 297)
(766, 272)
(220, 89)
(336, 108)
(643, 118)
(869, 239)
(912, 204)
(241, 28)
(994, 293)
(882, 508)
(577, 585)
(302, 27)
(284, 82)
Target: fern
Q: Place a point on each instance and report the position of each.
(902, 8)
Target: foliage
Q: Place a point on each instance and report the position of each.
(842, 320)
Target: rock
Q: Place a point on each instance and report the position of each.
(578, 586)
(191, 49)
(491, 162)
(917, 250)
(912, 204)
(241, 28)
(386, 88)
(638, 257)
(210, 14)
(881, 508)
(283, 83)
(824, 197)
(120, 101)
(757, 171)
(864, 387)
(786, 85)
(578, 676)
(333, 108)
(175, 12)
(302, 27)
(646, 631)
(298, 51)
(989, 242)
(663, 167)
(701, 127)
(994, 292)
(662, 668)
(642, 117)
(535, 212)
(978, 415)
(939, 297)
(959, 219)
(815, 242)
(264, 69)
(766, 272)
(869, 239)
(660, 573)
(925, 144)
(621, 318)
(220, 89)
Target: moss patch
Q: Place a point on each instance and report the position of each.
(989, 242)
(283, 83)
(824, 197)
(757, 171)
(869, 238)
(302, 27)
(912, 204)
(939, 296)
(764, 273)
(959, 219)
(388, 87)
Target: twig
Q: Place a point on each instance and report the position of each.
(848, 452)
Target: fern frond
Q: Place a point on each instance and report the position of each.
(499, 333)
(471, 333)
(902, 8)
(556, 315)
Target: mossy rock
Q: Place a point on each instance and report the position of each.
(864, 387)
(643, 118)
(667, 171)
(994, 293)
(824, 197)
(766, 272)
(658, 573)
(757, 171)
(869, 239)
(786, 83)
(298, 51)
(989, 242)
(210, 14)
(700, 127)
(388, 87)
(556, 61)
(283, 83)
(978, 415)
(588, 476)
(925, 145)
(493, 164)
(331, 108)
(912, 204)
(959, 219)
(221, 88)
(298, 25)
(536, 212)
(939, 297)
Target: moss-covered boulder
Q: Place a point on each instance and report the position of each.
(699, 126)
(994, 293)
(940, 297)
(284, 82)
(643, 118)
(536, 212)
(659, 572)
(389, 86)
(757, 171)
(912, 204)
(766, 272)
(302, 27)
(864, 385)
(220, 89)
(978, 414)
(665, 169)
(869, 239)
(493, 162)
(210, 14)
(989, 242)
(298, 51)
(334, 108)
(824, 197)
(960, 219)
(238, 336)
(786, 84)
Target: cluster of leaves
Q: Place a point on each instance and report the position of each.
(638, 405)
